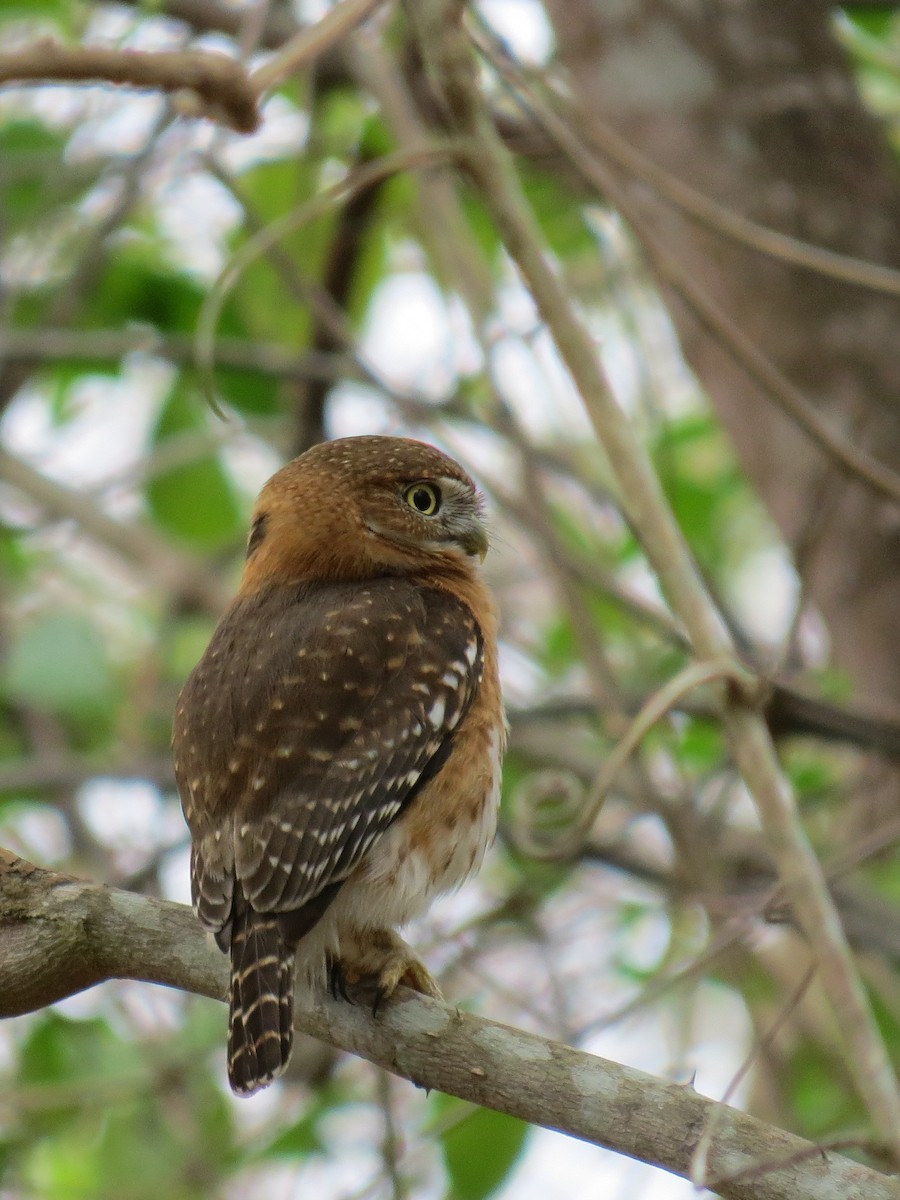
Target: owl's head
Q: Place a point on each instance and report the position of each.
(359, 507)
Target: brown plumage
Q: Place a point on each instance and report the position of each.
(338, 746)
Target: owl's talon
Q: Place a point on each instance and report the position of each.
(337, 983)
(381, 962)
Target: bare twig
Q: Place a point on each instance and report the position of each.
(53, 344)
(700, 1159)
(203, 83)
(714, 216)
(219, 16)
(271, 235)
(584, 804)
(49, 771)
(219, 85)
(311, 43)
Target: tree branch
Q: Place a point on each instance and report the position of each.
(59, 935)
(217, 16)
(45, 344)
(220, 83)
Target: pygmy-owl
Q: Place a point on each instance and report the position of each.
(338, 746)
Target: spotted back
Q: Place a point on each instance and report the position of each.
(312, 721)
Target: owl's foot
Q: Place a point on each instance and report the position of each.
(375, 964)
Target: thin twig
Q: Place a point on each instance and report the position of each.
(221, 16)
(720, 219)
(700, 1158)
(311, 43)
(585, 805)
(256, 246)
(53, 344)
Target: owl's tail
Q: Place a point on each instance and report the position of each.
(260, 1028)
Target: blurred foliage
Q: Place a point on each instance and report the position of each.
(113, 229)
(479, 1147)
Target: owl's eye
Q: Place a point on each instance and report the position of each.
(424, 498)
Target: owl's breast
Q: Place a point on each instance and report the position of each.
(438, 842)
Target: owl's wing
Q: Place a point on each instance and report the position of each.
(349, 702)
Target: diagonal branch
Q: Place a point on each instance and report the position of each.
(59, 935)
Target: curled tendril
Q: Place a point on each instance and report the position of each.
(548, 812)
(554, 810)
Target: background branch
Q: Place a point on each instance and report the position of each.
(220, 83)
(137, 544)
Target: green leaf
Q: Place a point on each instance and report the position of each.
(59, 663)
(66, 1167)
(482, 228)
(249, 391)
(871, 19)
(480, 1150)
(819, 1092)
(140, 1154)
(808, 773)
(189, 638)
(17, 10)
(15, 560)
(701, 746)
(60, 1051)
(138, 287)
(559, 648)
(27, 147)
(196, 501)
(343, 124)
(559, 215)
(300, 1139)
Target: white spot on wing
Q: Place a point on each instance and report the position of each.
(436, 713)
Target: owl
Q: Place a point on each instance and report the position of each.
(338, 747)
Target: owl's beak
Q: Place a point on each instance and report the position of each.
(475, 540)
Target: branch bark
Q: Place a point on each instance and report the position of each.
(220, 84)
(59, 935)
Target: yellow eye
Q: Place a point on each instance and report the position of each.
(424, 498)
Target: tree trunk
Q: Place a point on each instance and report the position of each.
(755, 105)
